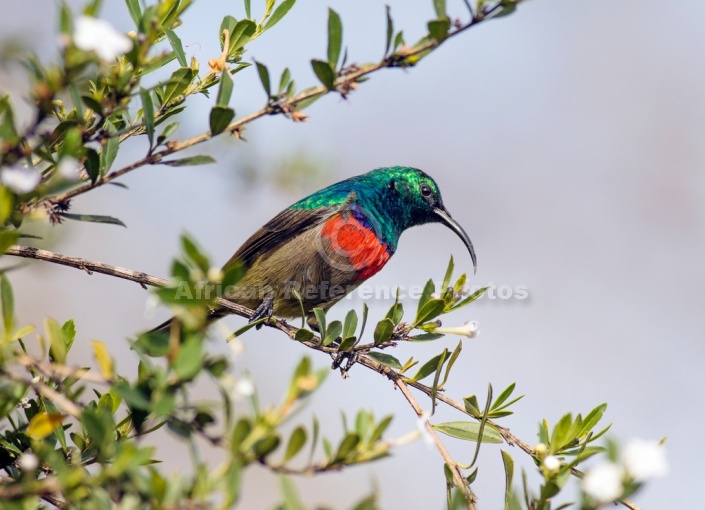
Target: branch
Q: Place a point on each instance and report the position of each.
(346, 78)
(458, 477)
(45, 488)
(45, 391)
(145, 279)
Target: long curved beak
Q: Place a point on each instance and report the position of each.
(445, 218)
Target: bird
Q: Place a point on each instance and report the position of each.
(328, 243)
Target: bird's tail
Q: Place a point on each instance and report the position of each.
(165, 326)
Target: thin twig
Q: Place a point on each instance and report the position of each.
(346, 77)
(290, 331)
(44, 488)
(45, 391)
(458, 478)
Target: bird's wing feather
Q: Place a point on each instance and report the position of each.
(284, 226)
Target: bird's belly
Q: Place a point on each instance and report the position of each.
(322, 265)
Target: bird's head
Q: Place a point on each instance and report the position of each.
(413, 198)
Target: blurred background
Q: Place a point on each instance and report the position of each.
(567, 140)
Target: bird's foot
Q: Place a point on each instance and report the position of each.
(342, 356)
(264, 311)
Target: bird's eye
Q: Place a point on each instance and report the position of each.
(426, 190)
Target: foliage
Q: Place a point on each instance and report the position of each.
(73, 436)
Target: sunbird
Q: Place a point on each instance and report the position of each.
(327, 244)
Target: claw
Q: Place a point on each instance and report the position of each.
(265, 309)
(342, 356)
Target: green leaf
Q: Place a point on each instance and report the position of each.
(297, 440)
(92, 218)
(347, 343)
(448, 275)
(506, 10)
(472, 297)
(350, 324)
(292, 501)
(189, 359)
(194, 253)
(7, 237)
(390, 31)
(177, 84)
(248, 9)
(503, 396)
(429, 311)
(335, 37)
(426, 337)
(383, 331)
(226, 89)
(177, 47)
(451, 361)
(508, 477)
(69, 332)
(148, 114)
(241, 35)
(7, 204)
(92, 165)
(264, 78)
(472, 407)
(347, 445)
(304, 335)
(279, 13)
(440, 7)
(333, 331)
(284, 80)
(385, 359)
(396, 312)
(57, 340)
(320, 320)
(434, 388)
(110, 149)
(325, 73)
(398, 40)
(428, 290)
(469, 431)
(135, 10)
(192, 160)
(220, 118)
(168, 131)
(365, 310)
(430, 366)
(592, 418)
(8, 303)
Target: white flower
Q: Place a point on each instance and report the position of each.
(423, 431)
(97, 35)
(69, 168)
(604, 482)
(551, 463)
(215, 274)
(469, 329)
(244, 388)
(541, 448)
(28, 462)
(20, 180)
(644, 459)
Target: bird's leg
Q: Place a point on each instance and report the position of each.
(264, 310)
(342, 356)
